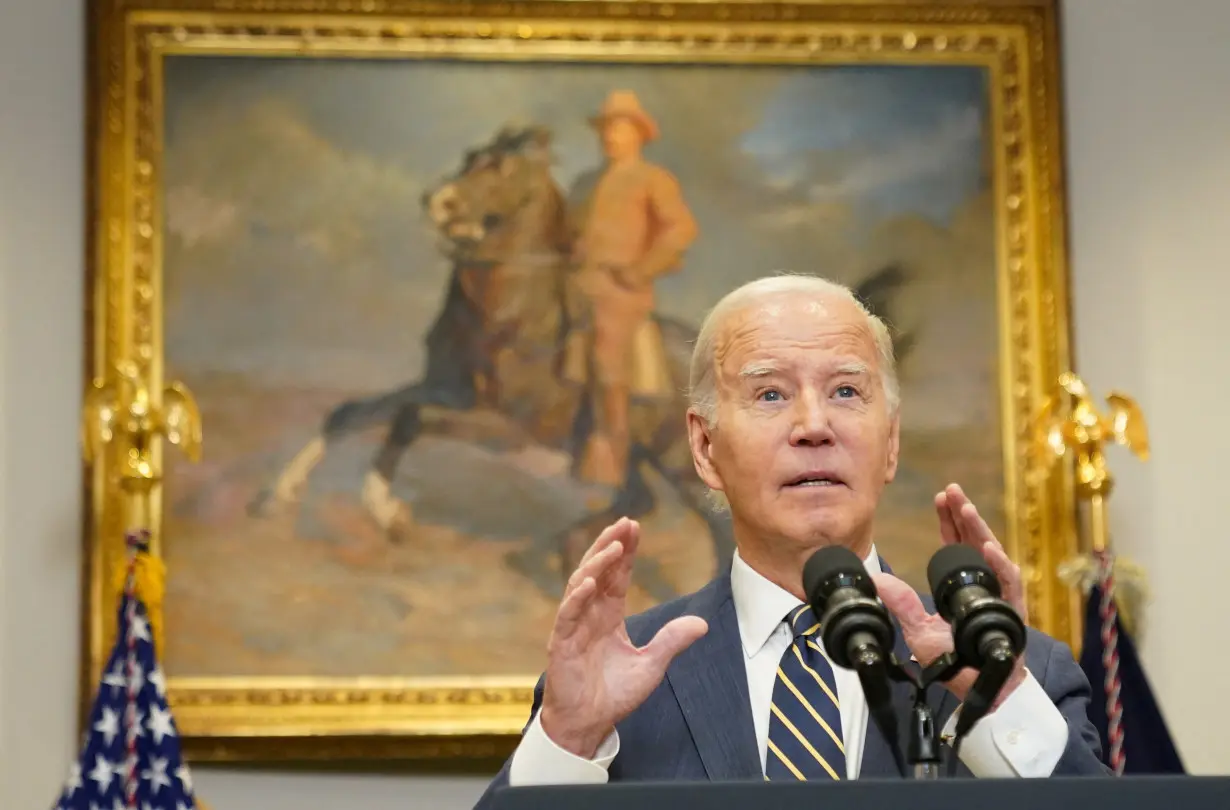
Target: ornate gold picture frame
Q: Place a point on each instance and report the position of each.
(165, 240)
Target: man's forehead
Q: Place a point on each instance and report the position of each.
(748, 338)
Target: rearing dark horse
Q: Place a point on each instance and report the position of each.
(493, 363)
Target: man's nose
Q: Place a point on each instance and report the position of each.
(811, 423)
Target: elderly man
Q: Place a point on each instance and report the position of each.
(795, 421)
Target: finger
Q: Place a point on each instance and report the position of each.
(631, 538)
(620, 576)
(957, 503)
(675, 637)
(572, 609)
(948, 526)
(901, 600)
(607, 536)
(974, 530)
(598, 567)
(1009, 575)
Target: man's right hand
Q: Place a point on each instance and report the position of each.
(595, 676)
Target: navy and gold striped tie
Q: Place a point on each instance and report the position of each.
(805, 720)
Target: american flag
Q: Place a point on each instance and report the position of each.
(130, 755)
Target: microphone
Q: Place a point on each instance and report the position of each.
(854, 625)
(988, 634)
(856, 631)
(985, 628)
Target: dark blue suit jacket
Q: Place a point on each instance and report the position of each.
(697, 725)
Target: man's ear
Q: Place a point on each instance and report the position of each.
(700, 439)
(894, 446)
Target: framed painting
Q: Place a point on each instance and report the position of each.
(383, 244)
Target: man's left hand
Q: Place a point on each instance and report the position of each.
(927, 635)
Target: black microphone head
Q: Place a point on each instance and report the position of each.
(955, 567)
(834, 567)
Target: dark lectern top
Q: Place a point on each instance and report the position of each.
(1057, 793)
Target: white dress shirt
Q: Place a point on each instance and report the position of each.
(1024, 737)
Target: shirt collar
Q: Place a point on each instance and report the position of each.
(761, 605)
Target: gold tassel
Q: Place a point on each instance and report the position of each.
(1131, 587)
(149, 584)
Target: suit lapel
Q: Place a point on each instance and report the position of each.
(709, 680)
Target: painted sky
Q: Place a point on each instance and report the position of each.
(297, 250)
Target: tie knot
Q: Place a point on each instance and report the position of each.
(803, 621)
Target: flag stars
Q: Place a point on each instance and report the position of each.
(115, 679)
(160, 724)
(109, 724)
(102, 773)
(156, 774)
(130, 757)
(74, 782)
(185, 778)
(159, 681)
(138, 629)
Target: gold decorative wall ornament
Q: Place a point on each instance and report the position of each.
(1072, 427)
(121, 422)
(1013, 46)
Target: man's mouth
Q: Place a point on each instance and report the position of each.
(815, 479)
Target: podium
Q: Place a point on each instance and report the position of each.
(1055, 793)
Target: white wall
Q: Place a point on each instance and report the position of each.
(1149, 157)
(41, 238)
(1149, 145)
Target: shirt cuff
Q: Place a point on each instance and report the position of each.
(1025, 737)
(539, 761)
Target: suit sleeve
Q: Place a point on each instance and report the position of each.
(1068, 687)
(1041, 729)
(537, 760)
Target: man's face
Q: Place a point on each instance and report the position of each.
(621, 137)
(804, 441)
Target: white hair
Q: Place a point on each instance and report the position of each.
(702, 379)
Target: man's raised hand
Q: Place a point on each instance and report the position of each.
(595, 676)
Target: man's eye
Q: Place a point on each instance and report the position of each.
(770, 395)
(847, 391)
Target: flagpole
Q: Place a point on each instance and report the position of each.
(1072, 426)
(1082, 432)
(121, 415)
(1099, 531)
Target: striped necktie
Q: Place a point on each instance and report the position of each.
(805, 720)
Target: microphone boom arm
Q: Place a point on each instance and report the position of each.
(874, 673)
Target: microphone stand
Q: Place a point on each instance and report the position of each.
(997, 668)
(924, 753)
(922, 744)
(922, 756)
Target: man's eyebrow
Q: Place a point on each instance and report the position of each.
(756, 370)
(752, 370)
